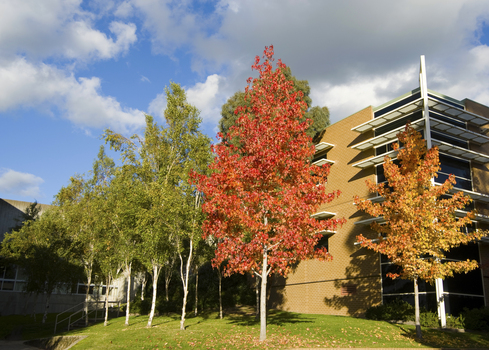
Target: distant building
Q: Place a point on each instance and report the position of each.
(13, 299)
(356, 147)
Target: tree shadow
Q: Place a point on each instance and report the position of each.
(274, 317)
(361, 287)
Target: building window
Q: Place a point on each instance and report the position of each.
(397, 104)
(459, 168)
(398, 123)
(349, 289)
(323, 243)
(446, 101)
(449, 139)
(449, 120)
(10, 278)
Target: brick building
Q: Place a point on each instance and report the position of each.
(356, 147)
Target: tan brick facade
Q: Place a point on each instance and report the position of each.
(351, 282)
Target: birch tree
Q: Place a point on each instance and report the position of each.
(160, 163)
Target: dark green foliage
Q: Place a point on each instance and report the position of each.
(429, 319)
(398, 310)
(320, 120)
(476, 319)
(318, 115)
(236, 290)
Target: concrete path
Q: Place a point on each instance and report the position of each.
(15, 345)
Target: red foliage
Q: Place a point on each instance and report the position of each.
(262, 191)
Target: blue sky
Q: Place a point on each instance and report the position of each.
(71, 68)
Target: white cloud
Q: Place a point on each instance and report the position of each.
(26, 84)
(171, 24)
(346, 50)
(143, 78)
(22, 184)
(158, 105)
(59, 28)
(344, 99)
(124, 10)
(208, 97)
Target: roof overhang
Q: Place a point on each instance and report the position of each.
(456, 112)
(457, 151)
(327, 232)
(477, 217)
(323, 146)
(474, 195)
(457, 131)
(323, 215)
(388, 117)
(385, 138)
(375, 160)
(378, 219)
(323, 161)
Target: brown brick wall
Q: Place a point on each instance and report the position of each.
(314, 286)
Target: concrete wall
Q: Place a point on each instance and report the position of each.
(11, 212)
(17, 302)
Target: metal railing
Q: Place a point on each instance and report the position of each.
(80, 309)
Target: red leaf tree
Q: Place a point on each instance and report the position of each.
(421, 225)
(263, 189)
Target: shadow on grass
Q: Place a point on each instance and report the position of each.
(446, 339)
(274, 317)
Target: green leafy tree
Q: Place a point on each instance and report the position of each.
(421, 226)
(83, 211)
(122, 210)
(111, 245)
(161, 162)
(318, 115)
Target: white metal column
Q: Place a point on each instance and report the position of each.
(440, 300)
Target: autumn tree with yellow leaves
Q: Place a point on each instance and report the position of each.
(421, 226)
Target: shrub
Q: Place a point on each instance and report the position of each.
(397, 310)
(141, 307)
(429, 319)
(456, 322)
(476, 319)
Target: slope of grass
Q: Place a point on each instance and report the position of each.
(285, 330)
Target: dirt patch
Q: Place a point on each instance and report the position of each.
(56, 343)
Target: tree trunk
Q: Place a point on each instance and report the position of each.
(257, 289)
(143, 285)
(89, 281)
(263, 302)
(185, 282)
(33, 311)
(196, 289)
(419, 335)
(46, 308)
(128, 296)
(156, 273)
(220, 292)
(107, 291)
(168, 274)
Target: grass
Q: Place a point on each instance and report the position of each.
(241, 331)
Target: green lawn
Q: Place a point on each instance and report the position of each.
(285, 330)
